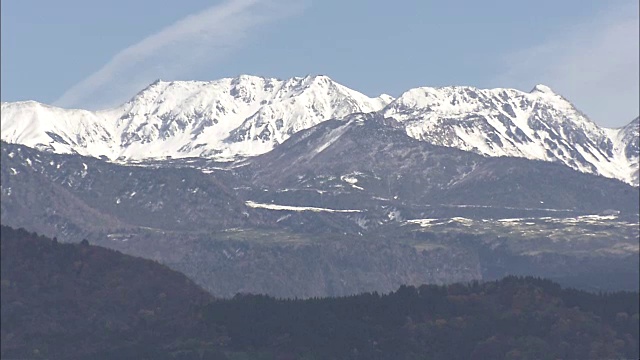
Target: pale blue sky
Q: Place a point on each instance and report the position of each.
(78, 53)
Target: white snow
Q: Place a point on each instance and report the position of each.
(221, 119)
(297, 208)
(248, 115)
(433, 222)
(493, 122)
(505, 207)
(349, 179)
(511, 222)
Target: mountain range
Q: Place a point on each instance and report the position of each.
(246, 116)
(305, 188)
(340, 208)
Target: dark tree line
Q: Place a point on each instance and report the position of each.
(516, 317)
(78, 301)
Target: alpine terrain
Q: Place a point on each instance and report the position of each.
(246, 115)
(305, 188)
(249, 115)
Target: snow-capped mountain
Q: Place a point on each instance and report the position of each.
(627, 139)
(246, 115)
(539, 125)
(249, 115)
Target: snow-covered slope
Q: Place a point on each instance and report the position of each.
(538, 125)
(57, 130)
(246, 115)
(626, 142)
(249, 115)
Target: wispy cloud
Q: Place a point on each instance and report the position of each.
(594, 64)
(177, 50)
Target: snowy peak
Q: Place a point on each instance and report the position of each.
(543, 89)
(53, 129)
(245, 115)
(539, 125)
(249, 115)
(301, 103)
(466, 99)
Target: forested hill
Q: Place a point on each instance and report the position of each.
(514, 318)
(77, 301)
(66, 301)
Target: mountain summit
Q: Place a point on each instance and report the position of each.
(246, 115)
(539, 125)
(249, 115)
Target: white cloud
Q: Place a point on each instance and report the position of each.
(594, 64)
(177, 50)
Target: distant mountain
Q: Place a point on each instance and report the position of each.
(370, 156)
(346, 206)
(73, 196)
(249, 115)
(246, 115)
(362, 167)
(539, 125)
(331, 192)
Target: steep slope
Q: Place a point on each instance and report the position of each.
(246, 115)
(626, 142)
(539, 125)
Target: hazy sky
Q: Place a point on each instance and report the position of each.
(78, 53)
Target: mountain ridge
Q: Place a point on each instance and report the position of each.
(539, 125)
(188, 118)
(250, 115)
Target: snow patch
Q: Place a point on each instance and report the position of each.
(253, 204)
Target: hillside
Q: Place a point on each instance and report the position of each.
(68, 301)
